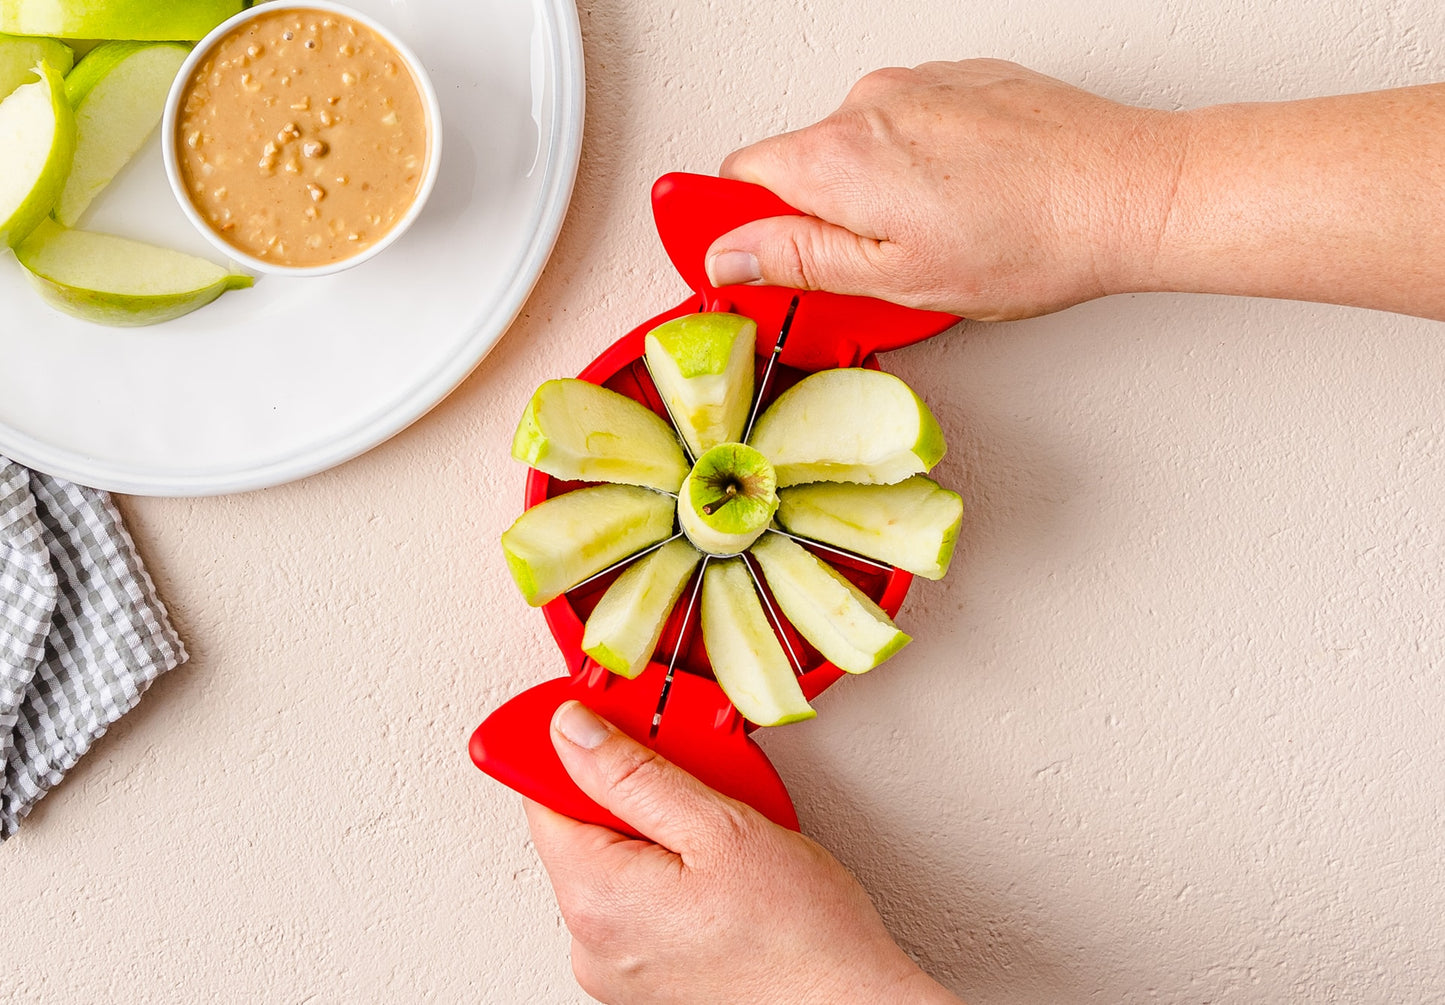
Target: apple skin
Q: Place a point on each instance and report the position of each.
(19, 54)
(36, 205)
(52, 255)
(118, 311)
(142, 20)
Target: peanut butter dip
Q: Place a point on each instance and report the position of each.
(302, 137)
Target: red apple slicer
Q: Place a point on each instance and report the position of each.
(674, 706)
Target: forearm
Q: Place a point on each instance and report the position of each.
(1338, 200)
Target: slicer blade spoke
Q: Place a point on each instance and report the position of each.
(767, 380)
(677, 649)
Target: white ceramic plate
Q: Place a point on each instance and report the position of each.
(294, 376)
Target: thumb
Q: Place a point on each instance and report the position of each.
(639, 786)
(801, 252)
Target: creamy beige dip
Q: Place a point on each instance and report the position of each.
(302, 137)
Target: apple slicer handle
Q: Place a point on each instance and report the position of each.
(699, 733)
(829, 329)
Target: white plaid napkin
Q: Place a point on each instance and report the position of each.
(82, 634)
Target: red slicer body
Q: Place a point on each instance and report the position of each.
(675, 706)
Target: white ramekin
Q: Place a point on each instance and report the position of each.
(178, 89)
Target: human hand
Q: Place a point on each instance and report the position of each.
(979, 188)
(721, 905)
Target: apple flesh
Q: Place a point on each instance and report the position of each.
(143, 20)
(727, 499)
(558, 543)
(850, 425)
(624, 628)
(576, 430)
(114, 281)
(37, 143)
(118, 92)
(702, 365)
(20, 54)
(747, 659)
(850, 630)
(912, 525)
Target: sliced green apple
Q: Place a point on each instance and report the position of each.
(113, 281)
(144, 20)
(747, 659)
(118, 93)
(577, 430)
(850, 425)
(912, 524)
(558, 543)
(19, 55)
(702, 365)
(37, 142)
(841, 622)
(727, 499)
(624, 628)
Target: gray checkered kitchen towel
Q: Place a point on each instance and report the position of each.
(82, 634)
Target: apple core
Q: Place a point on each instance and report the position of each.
(728, 499)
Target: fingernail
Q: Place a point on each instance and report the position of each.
(730, 268)
(576, 722)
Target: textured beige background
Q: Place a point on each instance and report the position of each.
(1171, 728)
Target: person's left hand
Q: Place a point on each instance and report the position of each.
(721, 905)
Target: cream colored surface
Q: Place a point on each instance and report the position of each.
(1170, 729)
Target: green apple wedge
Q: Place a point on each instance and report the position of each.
(912, 525)
(20, 54)
(37, 142)
(850, 425)
(747, 659)
(624, 628)
(118, 93)
(113, 281)
(727, 499)
(577, 430)
(142, 20)
(702, 365)
(841, 622)
(558, 543)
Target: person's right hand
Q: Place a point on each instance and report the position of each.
(979, 188)
(718, 904)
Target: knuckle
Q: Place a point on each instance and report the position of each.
(589, 918)
(985, 65)
(856, 129)
(793, 263)
(737, 826)
(633, 776)
(880, 81)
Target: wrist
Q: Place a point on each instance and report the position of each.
(1134, 201)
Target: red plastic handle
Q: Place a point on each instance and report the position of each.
(514, 744)
(828, 329)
